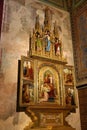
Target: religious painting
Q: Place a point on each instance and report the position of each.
(69, 85)
(27, 69)
(68, 76)
(48, 89)
(26, 82)
(27, 93)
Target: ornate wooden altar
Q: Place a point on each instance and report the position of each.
(46, 81)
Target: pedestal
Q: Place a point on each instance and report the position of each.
(48, 117)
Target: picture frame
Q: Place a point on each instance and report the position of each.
(26, 87)
(48, 85)
(69, 83)
(68, 76)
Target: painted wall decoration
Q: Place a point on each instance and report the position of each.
(80, 44)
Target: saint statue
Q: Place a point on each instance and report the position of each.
(57, 47)
(47, 36)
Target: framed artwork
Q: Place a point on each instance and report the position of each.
(69, 85)
(48, 85)
(68, 76)
(26, 82)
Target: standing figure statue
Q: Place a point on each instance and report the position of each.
(70, 97)
(48, 40)
(38, 42)
(57, 47)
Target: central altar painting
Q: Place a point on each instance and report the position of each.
(48, 82)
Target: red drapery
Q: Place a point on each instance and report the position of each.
(1, 12)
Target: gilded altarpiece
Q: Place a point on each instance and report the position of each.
(46, 82)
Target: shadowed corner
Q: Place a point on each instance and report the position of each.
(18, 108)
